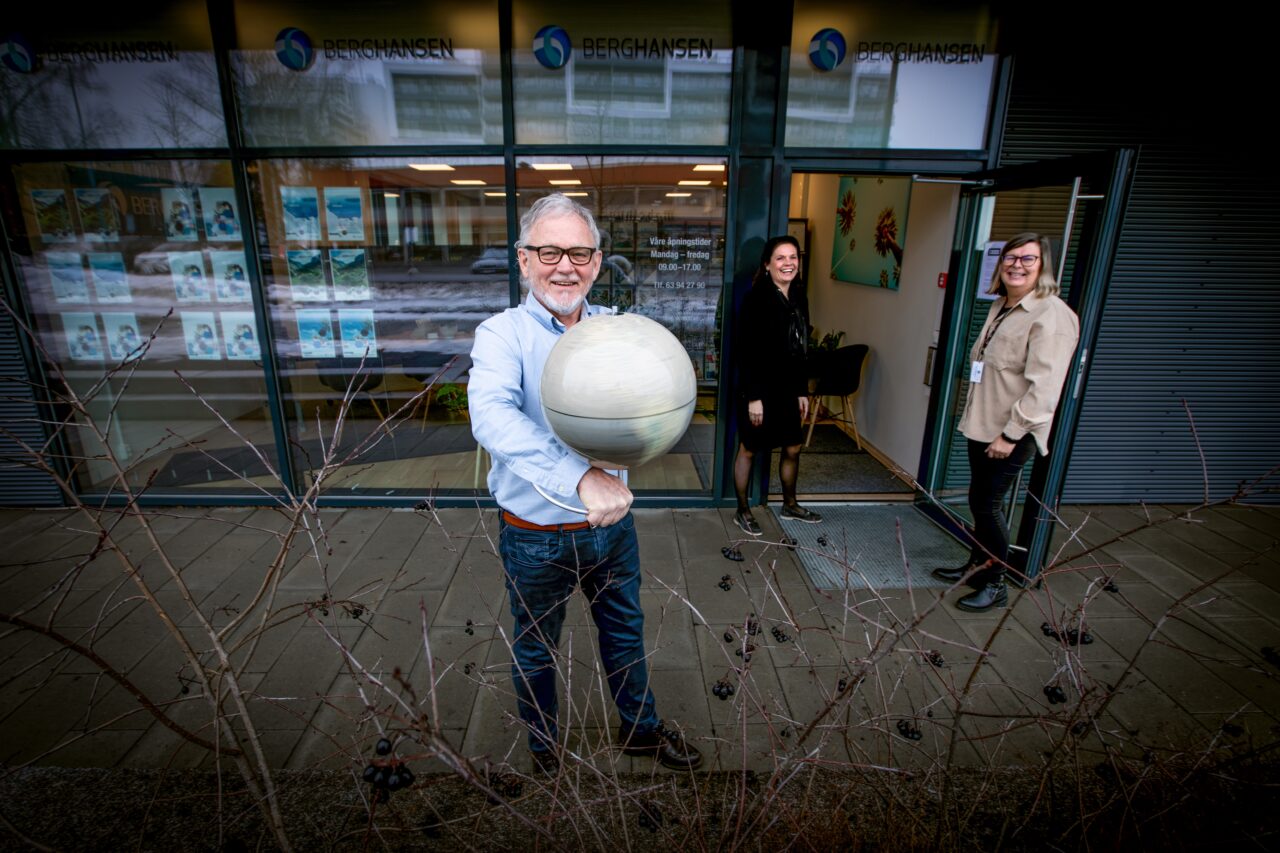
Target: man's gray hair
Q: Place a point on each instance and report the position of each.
(556, 204)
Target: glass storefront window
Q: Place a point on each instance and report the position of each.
(393, 262)
(376, 73)
(864, 75)
(149, 82)
(587, 73)
(110, 254)
(662, 232)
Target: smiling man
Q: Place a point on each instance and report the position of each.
(547, 550)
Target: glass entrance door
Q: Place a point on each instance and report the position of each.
(1078, 202)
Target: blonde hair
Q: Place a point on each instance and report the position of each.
(1047, 283)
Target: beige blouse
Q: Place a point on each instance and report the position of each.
(1024, 367)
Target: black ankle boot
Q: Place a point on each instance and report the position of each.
(992, 595)
(969, 570)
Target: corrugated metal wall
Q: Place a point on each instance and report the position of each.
(19, 485)
(1193, 310)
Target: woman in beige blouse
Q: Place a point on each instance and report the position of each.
(1017, 369)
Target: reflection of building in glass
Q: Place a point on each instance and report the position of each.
(282, 107)
(371, 101)
(664, 101)
(851, 106)
(447, 103)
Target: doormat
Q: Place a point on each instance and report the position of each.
(857, 545)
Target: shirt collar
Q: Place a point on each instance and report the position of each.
(1028, 302)
(540, 313)
(549, 321)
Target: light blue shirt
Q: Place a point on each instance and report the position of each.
(505, 397)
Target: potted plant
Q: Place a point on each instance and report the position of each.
(452, 396)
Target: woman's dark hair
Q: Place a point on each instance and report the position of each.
(770, 247)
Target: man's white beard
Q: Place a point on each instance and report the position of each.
(558, 306)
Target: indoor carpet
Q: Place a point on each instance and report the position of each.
(832, 464)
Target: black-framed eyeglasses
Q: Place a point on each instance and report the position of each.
(1025, 260)
(578, 255)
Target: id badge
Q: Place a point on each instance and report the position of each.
(975, 373)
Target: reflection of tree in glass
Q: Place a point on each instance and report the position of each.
(55, 109)
(184, 108)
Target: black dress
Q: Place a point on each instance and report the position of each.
(773, 332)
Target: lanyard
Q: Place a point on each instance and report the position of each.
(1004, 312)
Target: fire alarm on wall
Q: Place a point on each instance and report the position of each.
(942, 280)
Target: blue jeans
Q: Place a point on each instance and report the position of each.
(989, 482)
(542, 570)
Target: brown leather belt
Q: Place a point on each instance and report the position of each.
(517, 521)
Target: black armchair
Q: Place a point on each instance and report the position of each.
(840, 375)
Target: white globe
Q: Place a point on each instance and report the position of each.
(619, 389)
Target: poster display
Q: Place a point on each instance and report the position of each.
(53, 215)
(187, 269)
(359, 340)
(991, 253)
(301, 207)
(240, 335)
(350, 274)
(98, 215)
(81, 329)
(221, 216)
(315, 333)
(306, 275)
(343, 214)
(201, 336)
(66, 277)
(870, 230)
(229, 278)
(123, 340)
(179, 208)
(109, 277)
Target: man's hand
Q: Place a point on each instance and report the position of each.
(606, 497)
(755, 412)
(804, 408)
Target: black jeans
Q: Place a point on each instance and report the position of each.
(989, 480)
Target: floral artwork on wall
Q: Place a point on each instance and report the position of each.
(870, 230)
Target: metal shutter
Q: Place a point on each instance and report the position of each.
(1193, 311)
(19, 485)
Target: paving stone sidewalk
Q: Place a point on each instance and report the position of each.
(1199, 597)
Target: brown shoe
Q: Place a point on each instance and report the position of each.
(545, 762)
(666, 745)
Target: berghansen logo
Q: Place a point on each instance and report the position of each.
(17, 55)
(551, 46)
(827, 49)
(294, 50)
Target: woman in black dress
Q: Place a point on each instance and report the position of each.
(773, 395)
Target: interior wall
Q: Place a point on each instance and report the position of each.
(898, 325)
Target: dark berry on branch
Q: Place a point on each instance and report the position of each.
(383, 747)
